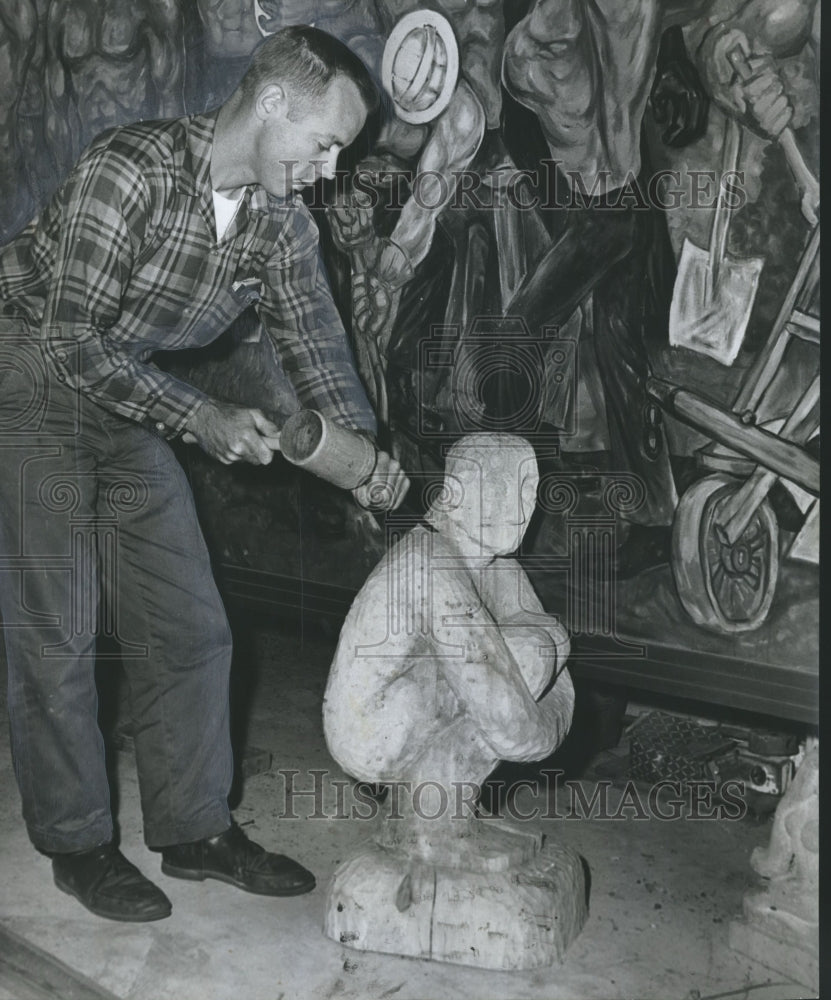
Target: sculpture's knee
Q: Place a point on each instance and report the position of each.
(372, 735)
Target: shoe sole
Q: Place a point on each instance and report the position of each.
(191, 876)
(98, 912)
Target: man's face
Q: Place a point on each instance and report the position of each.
(303, 144)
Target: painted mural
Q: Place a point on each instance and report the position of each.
(593, 223)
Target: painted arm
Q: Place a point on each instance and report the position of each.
(62, 122)
(736, 59)
(780, 28)
(165, 33)
(382, 267)
(758, 28)
(451, 147)
(675, 12)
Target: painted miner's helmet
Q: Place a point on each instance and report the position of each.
(420, 66)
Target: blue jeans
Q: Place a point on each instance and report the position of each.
(99, 535)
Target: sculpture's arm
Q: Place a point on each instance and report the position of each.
(488, 681)
(527, 628)
(498, 702)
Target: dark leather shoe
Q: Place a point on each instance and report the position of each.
(108, 885)
(231, 857)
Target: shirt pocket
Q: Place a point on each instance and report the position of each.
(203, 323)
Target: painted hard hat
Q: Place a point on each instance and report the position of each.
(420, 67)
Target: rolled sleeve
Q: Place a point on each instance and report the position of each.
(85, 359)
(300, 315)
(105, 212)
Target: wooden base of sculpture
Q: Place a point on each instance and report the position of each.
(498, 910)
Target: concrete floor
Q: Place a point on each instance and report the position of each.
(662, 892)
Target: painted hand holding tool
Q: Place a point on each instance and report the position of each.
(764, 98)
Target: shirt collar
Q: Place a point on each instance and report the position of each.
(194, 177)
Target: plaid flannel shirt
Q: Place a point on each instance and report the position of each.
(124, 262)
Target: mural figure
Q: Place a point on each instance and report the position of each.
(591, 116)
(229, 35)
(108, 64)
(383, 263)
(18, 39)
(739, 59)
(607, 240)
(444, 667)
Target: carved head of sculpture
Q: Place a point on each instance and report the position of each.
(489, 494)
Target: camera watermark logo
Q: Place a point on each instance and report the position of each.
(498, 376)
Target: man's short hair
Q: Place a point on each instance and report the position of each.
(306, 60)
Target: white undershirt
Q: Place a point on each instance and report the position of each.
(224, 210)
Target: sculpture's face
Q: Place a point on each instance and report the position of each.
(492, 480)
(508, 501)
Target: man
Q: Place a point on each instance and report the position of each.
(161, 235)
